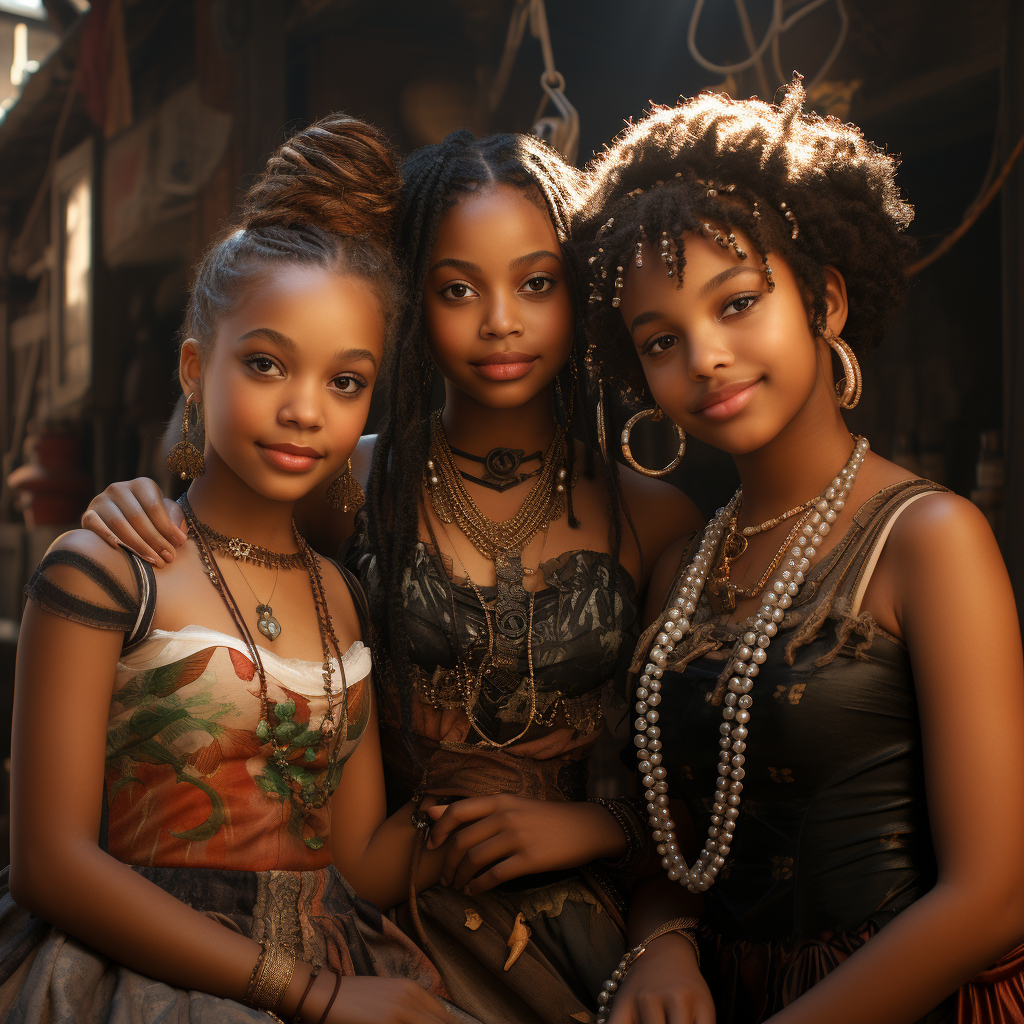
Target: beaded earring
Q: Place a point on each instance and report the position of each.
(619, 282)
(345, 492)
(185, 460)
(791, 219)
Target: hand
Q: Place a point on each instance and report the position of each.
(512, 836)
(136, 513)
(374, 1001)
(664, 986)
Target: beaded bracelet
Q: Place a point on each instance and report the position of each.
(628, 818)
(685, 926)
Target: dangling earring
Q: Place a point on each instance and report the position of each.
(849, 389)
(185, 460)
(345, 492)
(656, 414)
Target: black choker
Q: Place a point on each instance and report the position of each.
(501, 467)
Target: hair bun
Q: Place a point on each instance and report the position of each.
(340, 175)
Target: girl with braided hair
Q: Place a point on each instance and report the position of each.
(503, 589)
(833, 662)
(176, 804)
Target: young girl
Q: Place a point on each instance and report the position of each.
(173, 822)
(504, 605)
(832, 685)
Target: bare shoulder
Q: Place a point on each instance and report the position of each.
(362, 458)
(663, 576)
(90, 546)
(661, 513)
(941, 527)
(340, 602)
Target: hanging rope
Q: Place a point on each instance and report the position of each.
(562, 130)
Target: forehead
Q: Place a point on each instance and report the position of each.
(498, 219)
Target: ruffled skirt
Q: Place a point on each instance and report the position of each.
(48, 977)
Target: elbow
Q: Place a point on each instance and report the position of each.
(26, 887)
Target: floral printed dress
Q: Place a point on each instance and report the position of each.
(194, 802)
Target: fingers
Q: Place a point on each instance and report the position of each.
(91, 521)
(511, 867)
(462, 843)
(157, 509)
(482, 855)
(138, 525)
(104, 513)
(455, 815)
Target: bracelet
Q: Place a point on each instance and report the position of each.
(330, 1002)
(632, 824)
(684, 925)
(305, 992)
(273, 974)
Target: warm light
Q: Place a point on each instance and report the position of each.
(19, 65)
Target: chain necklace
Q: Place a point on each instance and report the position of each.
(294, 746)
(503, 541)
(749, 653)
(242, 551)
(266, 623)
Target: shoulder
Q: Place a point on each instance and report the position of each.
(664, 574)
(362, 457)
(77, 548)
(939, 525)
(661, 513)
(342, 601)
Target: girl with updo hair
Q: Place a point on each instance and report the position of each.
(181, 733)
(830, 691)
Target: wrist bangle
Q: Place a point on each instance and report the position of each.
(632, 824)
(273, 974)
(305, 992)
(330, 1002)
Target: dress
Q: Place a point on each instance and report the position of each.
(833, 840)
(194, 803)
(584, 628)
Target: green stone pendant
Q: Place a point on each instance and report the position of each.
(267, 624)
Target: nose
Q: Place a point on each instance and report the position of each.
(302, 406)
(707, 355)
(500, 319)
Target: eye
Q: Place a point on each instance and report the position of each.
(656, 346)
(457, 290)
(740, 304)
(348, 385)
(262, 365)
(538, 284)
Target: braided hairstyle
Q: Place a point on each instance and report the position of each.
(436, 178)
(807, 189)
(329, 198)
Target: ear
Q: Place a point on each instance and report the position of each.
(836, 303)
(190, 369)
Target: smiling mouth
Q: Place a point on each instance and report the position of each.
(504, 365)
(290, 457)
(726, 402)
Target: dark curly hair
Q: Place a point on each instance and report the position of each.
(436, 178)
(809, 189)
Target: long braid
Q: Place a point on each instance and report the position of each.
(435, 178)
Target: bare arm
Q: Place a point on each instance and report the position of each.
(956, 611)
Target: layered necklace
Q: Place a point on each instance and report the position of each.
(503, 543)
(294, 746)
(749, 653)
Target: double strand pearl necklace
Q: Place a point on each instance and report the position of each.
(748, 655)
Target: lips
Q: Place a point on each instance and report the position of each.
(726, 401)
(504, 365)
(293, 458)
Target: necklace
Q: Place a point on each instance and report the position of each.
(242, 551)
(749, 653)
(289, 773)
(501, 467)
(502, 542)
(265, 621)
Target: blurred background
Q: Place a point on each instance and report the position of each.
(129, 130)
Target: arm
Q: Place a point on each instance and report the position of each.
(956, 610)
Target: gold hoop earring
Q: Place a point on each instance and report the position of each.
(345, 492)
(185, 460)
(656, 415)
(849, 389)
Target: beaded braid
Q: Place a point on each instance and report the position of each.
(808, 190)
(435, 178)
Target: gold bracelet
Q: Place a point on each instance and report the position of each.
(274, 977)
(685, 926)
(250, 989)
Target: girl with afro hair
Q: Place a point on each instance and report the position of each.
(830, 696)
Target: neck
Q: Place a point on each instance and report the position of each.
(796, 465)
(477, 428)
(225, 502)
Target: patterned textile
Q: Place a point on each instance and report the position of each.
(833, 838)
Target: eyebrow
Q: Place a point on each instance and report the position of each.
(516, 264)
(283, 341)
(718, 279)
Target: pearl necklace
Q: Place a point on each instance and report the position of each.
(748, 655)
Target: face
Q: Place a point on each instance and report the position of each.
(286, 384)
(497, 303)
(728, 360)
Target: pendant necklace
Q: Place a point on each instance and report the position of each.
(266, 623)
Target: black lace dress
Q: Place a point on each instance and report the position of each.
(583, 633)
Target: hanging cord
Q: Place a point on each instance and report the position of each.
(778, 25)
(561, 131)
